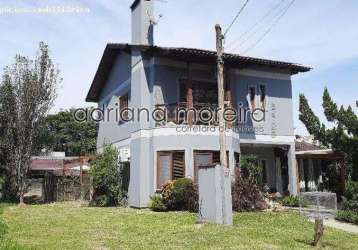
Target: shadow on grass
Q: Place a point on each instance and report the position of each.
(33, 200)
(310, 243)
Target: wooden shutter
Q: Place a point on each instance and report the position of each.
(178, 165)
(170, 166)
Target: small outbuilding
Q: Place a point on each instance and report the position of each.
(56, 177)
(316, 165)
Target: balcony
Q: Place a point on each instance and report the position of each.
(182, 114)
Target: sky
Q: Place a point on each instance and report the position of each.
(322, 34)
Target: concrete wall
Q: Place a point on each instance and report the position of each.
(215, 201)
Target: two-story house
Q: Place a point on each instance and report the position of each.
(145, 78)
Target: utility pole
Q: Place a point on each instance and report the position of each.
(218, 197)
(220, 71)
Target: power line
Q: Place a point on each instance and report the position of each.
(270, 28)
(267, 14)
(263, 28)
(236, 17)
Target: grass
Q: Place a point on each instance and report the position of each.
(69, 226)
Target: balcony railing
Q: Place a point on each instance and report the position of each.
(181, 113)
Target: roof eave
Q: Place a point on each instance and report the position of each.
(112, 50)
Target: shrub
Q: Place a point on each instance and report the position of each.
(246, 195)
(347, 216)
(185, 195)
(193, 202)
(250, 168)
(181, 194)
(157, 203)
(101, 201)
(167, 194)
(351, 192)
(290, 201)
(109, 178)
(181, 191)
(351, 198)
(351, 205)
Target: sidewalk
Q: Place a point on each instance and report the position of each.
(341, 225)
(350, 228)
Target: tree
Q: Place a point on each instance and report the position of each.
(343, 137)
(61, 132)
(110, 179)
(31, 89)
(7, 99)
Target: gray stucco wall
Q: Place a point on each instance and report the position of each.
(164, 88)
(142, 29)
(279, 117)
(149, 82)
(118, 84)
(120, 73)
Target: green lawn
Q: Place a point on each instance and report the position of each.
(69, 226)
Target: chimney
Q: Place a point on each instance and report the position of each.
(142, 22)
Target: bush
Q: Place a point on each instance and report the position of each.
(351, 205)
(109, 179)
(185, 195)
(246, 195)
(167, 194)
(193, 201)
(181, 194)
(250, 168)
(347, 216)
(101, 201)
(157, 203)
(290, 201)
(351, 192)
(181, 191)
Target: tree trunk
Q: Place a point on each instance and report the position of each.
(21, 199)
(318, 231)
